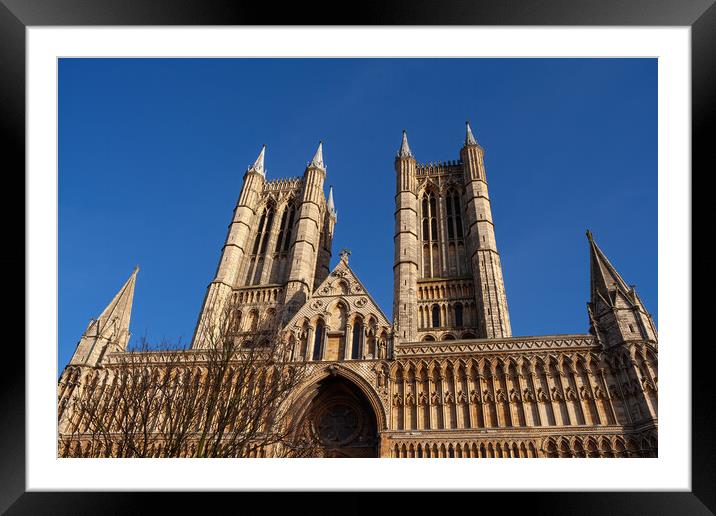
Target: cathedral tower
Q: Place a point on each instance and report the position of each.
(447, 271)
(277, 247)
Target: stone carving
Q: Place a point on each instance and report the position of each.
(557, 394)
(527, 395)
(541, 395)
(422, 398)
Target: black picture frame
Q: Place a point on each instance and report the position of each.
(17, 15)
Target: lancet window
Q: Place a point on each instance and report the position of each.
(318, 341)
(430, 236)
(455, 239)
(285, 229)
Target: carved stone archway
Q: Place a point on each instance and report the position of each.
(338, 416)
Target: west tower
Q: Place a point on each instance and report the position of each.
(447, 270)
(278, 247)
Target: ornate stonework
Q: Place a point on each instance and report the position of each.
(445, 377)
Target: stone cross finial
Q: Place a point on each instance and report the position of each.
(344, 254)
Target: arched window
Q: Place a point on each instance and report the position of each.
(458, 314)
(455, 244)
(263, 231)
(236, 323)
(318, 341)
(285, 229)
(436, 316)
(355, 348)
(253, 320)
(431, 254)
(261, 239)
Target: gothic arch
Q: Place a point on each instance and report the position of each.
(295, 409)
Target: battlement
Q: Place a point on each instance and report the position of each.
(283, 184)
(440, 168)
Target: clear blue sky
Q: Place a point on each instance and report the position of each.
(152, 153)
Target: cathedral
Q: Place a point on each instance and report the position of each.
(444, 377)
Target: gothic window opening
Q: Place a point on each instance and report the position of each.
(455, 246)
(285, 229)
(263, 231)
(436, 316)
(261, 239)
(458, 314)
(431, 252)
(267, 230)
(355, 348)
(318, 341)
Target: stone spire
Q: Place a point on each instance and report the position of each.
(258, 165)
(110, 330)
(469, 137)
(404, 151)
(604, 278)
(317, 160)
(616, 313)
(331, 205)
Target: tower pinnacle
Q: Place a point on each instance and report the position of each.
(331, 205)
(258, 165)
(317, 160)
(469, 137)
(404, 151)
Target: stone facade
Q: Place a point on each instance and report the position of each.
(445, 378)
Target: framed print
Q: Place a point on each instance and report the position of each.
(326, 329)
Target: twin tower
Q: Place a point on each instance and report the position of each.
(447, 274)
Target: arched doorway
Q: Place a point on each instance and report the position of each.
(340, 420)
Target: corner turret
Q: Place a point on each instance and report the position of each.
(617, 314)
(110, 331)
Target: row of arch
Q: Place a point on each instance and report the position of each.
(459, 314)
(601, 447)
(526, 391)
(262, 295)
(92, 448)
(464, 450)
(111, 394)
(448, 335)
(253, 322)
(359, 337)
(614, 446)
(452, 289)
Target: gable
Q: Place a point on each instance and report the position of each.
(341, 292)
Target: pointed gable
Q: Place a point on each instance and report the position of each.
(342, 286)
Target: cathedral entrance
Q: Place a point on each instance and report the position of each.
(341, 421)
